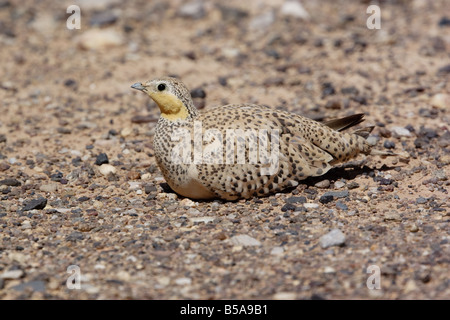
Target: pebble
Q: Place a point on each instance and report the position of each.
(337, 194)
(296, 200)
(4, 166)
(10, 183)
(104, 18)
(295, 9)
(326, 199)
(444, 70)
(414, 228)
(51, 187)
(441, 100)
(333, 238)
(192, 10)
(198, 93)
(444, 22)
(324, 184)
(2, 138)
(35, 204)
(34, 285)
(98, 39)
(244, 240)
(106, 169)
(202, 219)
(276, 251)
(101, 159)
(339, 184)
(288, 207)
(311, 205)
(285, 296)
(183, 281)
(188, 203)
(12, 274)
(342, 206)
(401, 132)
(421, 200)
(263, 21)
(389, 144)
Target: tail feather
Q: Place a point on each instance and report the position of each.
(345, 122)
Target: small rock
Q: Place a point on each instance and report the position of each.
(327, 89)
(295, 9)
(339, 184)
(101, 159)
(202, 219)
(333, 104)
(389, 144)
(187, 203)
(34, 285)
(288, 207)
(12, 274)
(106, 169)
(414, 228)
(311, 205)
(333, 238)
(198, 93)
(4, 166)
(74, 236)
(444, 70)
(441, 100)
(324, 184)
(183, 281)
(285, 296)
(263, 21)
(326, 199)
(2, 138)
(97, 39)
(50, 188)
(401, 132)
(104, 18)
(337, 194)
(421, 200)
(244, 240)
(296, 200)
(276, 251)
(10, 182)
(341, 206)
(35, 204)
(193, 10)
(444, 22)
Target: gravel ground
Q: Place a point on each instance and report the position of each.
(79, 185)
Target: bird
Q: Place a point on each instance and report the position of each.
(242, 151)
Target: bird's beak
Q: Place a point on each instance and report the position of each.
(138, 86)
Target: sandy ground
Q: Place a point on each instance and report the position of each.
(65, 99)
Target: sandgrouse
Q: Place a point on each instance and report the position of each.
(243, 150)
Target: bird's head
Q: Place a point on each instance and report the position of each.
(172, 97)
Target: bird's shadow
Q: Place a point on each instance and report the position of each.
(348, 171)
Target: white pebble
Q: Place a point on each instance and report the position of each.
(105, 169)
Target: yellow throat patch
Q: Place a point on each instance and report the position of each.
(171, 107)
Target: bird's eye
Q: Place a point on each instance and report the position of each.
(161, 87)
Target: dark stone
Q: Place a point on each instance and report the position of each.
(57, 176)
(103, 18)
(2, 138)
(101, 159)
(421, 200)
(296, 200)
(337, 194)
(198, 93)
(37, 204)
(350, 91)
(35, 285)
(74, 236)
(444, 22)
(288, 206)
(389, 144)
(444, 70)
(10, 182)
(327, 89)
(83, 199)
(70, 83)
(326, 198)
(342, 206)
